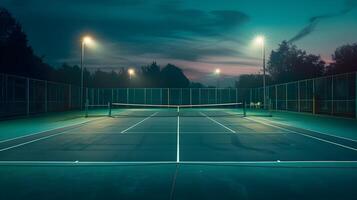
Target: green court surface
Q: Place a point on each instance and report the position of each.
(161, 156)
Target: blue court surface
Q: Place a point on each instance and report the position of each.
(179, 157)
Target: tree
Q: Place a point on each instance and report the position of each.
(173, 77)
(288, 63)
(345, 60)
(16, 56)
(151, 75)
(251, 81)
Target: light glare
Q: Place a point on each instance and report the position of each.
(87, 40)
(131, 71)
(260, 40)
(217, 71)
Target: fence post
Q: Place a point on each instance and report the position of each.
(250, 96)
(276, 97)
(127, 95)
(144, 95)
(332, 104)
(161, 96)
(190, 96)
(27, 96)
(313, 97)
(356, 95)
(69, 96)
(168, 96)
(286, 96)
(199, 95)
(216, 93)
(46, 97)
(151, 101)
(298, 96)
(236, 95)
(112, 100)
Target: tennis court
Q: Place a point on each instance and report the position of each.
(178, 152)
(144, 134)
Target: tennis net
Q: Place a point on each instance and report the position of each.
(154, 110)
(142, 110)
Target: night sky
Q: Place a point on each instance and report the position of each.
(197, 35)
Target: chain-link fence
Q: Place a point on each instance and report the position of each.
(331, 95)
(25, 96)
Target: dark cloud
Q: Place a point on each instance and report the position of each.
(95, 2)
(164, 28)
(314, 21)
(240, 63)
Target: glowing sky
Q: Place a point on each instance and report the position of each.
(197, 35)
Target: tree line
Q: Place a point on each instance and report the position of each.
(289, 63)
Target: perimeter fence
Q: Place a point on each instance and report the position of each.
(330, 95)
(25, 96)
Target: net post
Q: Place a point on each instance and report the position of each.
(244, 108)
(86, 108)
(109, 109)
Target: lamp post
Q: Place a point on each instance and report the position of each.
(131, 73)
(261, 41)
(85, 40)
(217, 72)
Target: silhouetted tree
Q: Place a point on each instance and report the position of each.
(151, 75)
(16, 56)
(288, 63)
(173, 77)
(251, 81)
(345, 60)
(196, 85)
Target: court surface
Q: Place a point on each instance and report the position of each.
(178, 157)
(176, 139)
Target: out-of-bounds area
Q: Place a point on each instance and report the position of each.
(287, 156)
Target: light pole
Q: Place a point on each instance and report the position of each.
(85, 40)
(131, 73)
(261, 41)
(217, 72)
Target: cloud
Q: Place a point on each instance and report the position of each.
(163, 28)
(349, 5)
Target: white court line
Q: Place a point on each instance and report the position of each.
(313, 137)
(15, 138)
(124, 131)
(178, 140)
(284, 124)
(170, 162)
(217, 122)
(41, 138)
